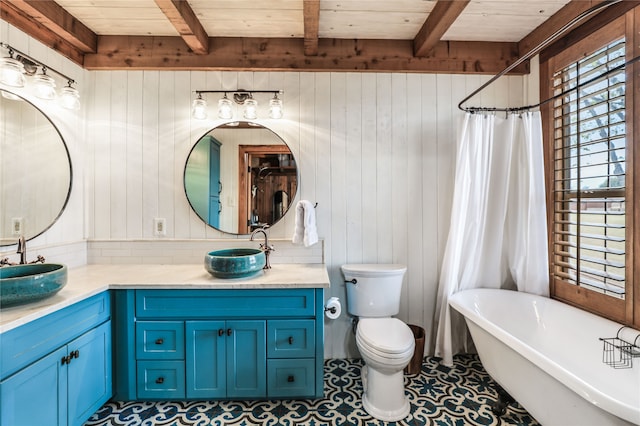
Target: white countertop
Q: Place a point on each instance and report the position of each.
(86, 281)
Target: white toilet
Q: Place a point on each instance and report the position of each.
(385, 343)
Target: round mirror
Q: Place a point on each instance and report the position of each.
(240, 176)
(35, 170)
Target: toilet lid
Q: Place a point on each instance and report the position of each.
(389, 335)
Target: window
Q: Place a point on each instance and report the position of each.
(589, 187)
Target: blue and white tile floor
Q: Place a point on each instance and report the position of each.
(440, 396)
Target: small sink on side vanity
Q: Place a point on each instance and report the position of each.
(178, 333)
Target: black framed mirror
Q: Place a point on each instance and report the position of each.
(240, 176)
(35, 170)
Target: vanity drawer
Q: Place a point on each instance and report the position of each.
(290, 377)
(291, 338)
(161, 379)
(160, 340)
(226, 304)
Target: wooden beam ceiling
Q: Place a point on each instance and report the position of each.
(19, 20)
(311, 15)
(183, 18)
(47, 22)
(277, 54)
(444, 13)
(57, 20)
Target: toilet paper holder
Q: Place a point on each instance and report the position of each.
(333, 308)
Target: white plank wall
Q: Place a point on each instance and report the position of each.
(376, 151)
(69, 229)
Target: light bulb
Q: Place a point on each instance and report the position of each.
(199, 108)
(69, 98)
(251, 109)
(12, 72)
(275, 107)
(45, 86)
(225, 108)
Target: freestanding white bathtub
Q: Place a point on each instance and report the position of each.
(548, 356)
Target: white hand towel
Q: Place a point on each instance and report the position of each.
(298, 233)
(305, 231)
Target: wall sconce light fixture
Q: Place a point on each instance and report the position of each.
(240, 97)
(21, 70)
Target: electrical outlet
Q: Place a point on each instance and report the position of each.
(159, 226)
(16, 226)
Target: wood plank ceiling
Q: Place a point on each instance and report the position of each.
(455, 36)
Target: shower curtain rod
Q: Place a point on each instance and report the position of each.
(559, 95)
(553, 37)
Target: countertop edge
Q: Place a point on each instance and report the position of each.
(89, 280)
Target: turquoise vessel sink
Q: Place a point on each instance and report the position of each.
(234, 263)
(20, 284)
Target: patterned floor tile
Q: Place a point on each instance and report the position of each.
(442, 396)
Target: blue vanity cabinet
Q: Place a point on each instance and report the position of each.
(72, 380)
(238, 344)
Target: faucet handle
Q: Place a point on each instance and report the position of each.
(40, 259)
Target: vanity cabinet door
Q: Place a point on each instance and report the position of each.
(246, 359)
(89, 373)
(206, 359)
(37, 395)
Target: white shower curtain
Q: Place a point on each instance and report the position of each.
(498, 231)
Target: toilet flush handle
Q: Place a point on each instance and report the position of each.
(353, 281)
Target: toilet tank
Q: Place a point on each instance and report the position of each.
(376, 292)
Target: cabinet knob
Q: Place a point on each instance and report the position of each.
(160, 380)
(291, 340)
(65, 360)
(75, 354)
(221, 332)
(159, 341)
(229, 331)
(291, 379)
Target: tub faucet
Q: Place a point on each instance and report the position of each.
(266, 247)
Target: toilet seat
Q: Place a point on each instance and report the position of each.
(385, 337)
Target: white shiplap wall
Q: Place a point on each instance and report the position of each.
(68, 232)
(375, 151)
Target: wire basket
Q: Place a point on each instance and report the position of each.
(618, 352)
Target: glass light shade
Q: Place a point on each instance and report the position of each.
(70, 98)
(225, 108)
(275, 108)
(44, 86)
(12, 72)
(251, 109)
(199, 109)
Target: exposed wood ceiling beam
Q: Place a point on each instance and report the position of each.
(276, 54)
(53, 17)
(589, 27)
(186, 23)
(557, 21)
(311, 11)
(442, 16)
(23, 22)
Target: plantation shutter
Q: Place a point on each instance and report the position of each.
(588, 241)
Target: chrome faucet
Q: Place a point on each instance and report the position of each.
(22, 250)
(265, 247)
